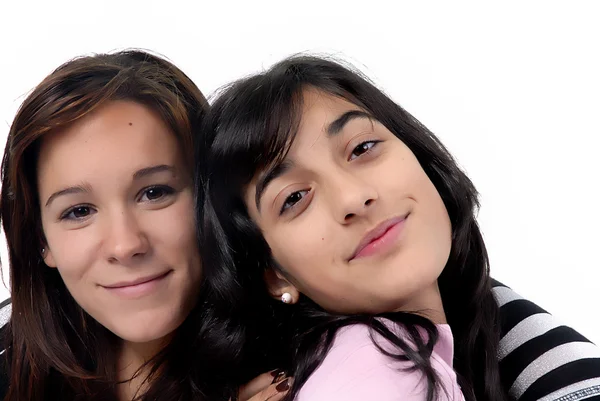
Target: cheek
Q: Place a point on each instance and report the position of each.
(399, 174)
(306, 251)
(437, 220)
(175, 230)
(433, 228)
(74, 251)
(431, 198)
(287, 251)
(176, 227)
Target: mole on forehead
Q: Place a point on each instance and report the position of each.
(130, 123)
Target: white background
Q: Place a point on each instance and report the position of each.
(513, 89)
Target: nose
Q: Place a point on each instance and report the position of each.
(352, 197)
(126, 242)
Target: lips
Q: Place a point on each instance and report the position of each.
(141, 280)
(374, 237)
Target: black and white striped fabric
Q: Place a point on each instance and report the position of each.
(541, 359)
(5, 310)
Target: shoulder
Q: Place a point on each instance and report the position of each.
(355, 369)
(541, 358)
(5, 311)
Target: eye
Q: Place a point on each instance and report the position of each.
(77, 213)
(293, 199)
(156, 193)
(362, 148)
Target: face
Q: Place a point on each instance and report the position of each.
(352, 220)
(116, 200)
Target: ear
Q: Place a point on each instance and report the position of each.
(47, 257)
(277, 285)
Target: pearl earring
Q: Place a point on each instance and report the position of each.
(286, 298)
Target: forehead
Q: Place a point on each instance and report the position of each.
(319, 110)
(117, 135)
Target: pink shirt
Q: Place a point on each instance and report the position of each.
(355, 370)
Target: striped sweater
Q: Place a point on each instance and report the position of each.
(540, 359)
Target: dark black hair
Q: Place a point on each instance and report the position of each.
(250, 127)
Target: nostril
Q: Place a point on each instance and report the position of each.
(368, 202)
(349, 216)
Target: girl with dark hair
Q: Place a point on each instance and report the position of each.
(353, 233)
(107, 285)
(95, 186)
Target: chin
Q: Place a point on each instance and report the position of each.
(144, 328)
(140, 336)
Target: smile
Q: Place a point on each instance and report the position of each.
(381, 239)
(139, 287)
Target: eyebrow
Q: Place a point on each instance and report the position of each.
(334, 128)
(86, 188)
(153, 170)
(337, 125)
(77, 189)
(272, 173)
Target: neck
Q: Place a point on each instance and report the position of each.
(427, 303)
(131, 370)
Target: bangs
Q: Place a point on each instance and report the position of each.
(254, 123)
(257, 121)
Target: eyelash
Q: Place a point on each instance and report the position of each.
(284, 209)
(165, 188)
(307, 191)
(373, 142)
(67, 213)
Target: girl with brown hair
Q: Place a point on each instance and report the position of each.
(108, 289)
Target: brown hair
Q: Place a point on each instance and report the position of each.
(54, 349)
